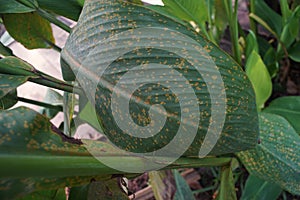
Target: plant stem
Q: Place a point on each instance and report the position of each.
(233, 26)
(38, 103)
(252, 21)
(51, 18)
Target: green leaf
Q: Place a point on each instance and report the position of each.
(29, 29)
(188, 10)
(9, 83)
(89, 115)
(183, 190)
(294, 52)
(36, 156)
(260, 79)
(285, 11)
(276, 159)
(270, 60)
(287, 107)
(290, 30)
(58, 194)
(107, 190)
(227, 188)
(99, 190)
(13, 6)
(15, 66)
(251, 44)
(257, 189)
(269, 16)
(162, 184)
(70, 9)
(155, 47)
(13, 73)
(5, 51)
(54, 98)
(9, 100)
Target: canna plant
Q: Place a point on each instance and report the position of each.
(124, 51)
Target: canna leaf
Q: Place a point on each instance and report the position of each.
(29, 29)
(287, 107)
(14, 6)
(277, 158)
(257, 189)
(162, 41)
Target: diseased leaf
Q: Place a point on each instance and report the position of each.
(277, 158)
(29, 29)
(36, 156)
(260, 78)
(162, 41)
(287, 107)
(10, 83)
(257, 189)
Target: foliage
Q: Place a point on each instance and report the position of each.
(38, 160)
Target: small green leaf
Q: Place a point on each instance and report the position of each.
(9, 100)
(260, 78)
(5, 51)
(15, 66)
(287, 107)
(277, 158)
(9, 83)
(54, 98)
(183, 190)
(290, 30)
(271, 62)
(251, 44)
(58, 194)
(13, 6)
(162, 184)
(258, 189)
(70, 9)
(269, 16)
(294, 52)
(88, 114)
(227, 188)
(29, 29)
(106, 190)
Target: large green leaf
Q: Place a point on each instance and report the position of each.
(287, 107)
(30, 29)
(257, 189)
(162, 41)
(277, 158)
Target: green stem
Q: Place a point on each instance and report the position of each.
(38, 103)
(51, 18)
(252, 21)
(205, 189)
(53, 46)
